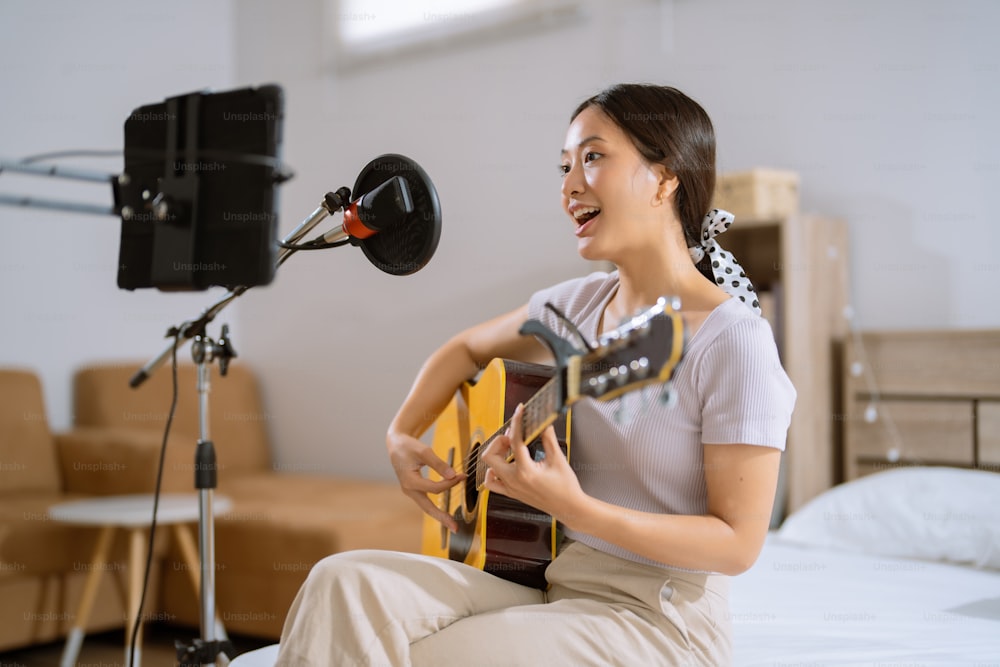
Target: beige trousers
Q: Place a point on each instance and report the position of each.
(388, 609)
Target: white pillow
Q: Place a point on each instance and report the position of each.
(925, 513)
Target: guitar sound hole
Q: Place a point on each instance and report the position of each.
(460, 542)
(471, 481)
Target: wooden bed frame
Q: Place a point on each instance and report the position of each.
(921, 398)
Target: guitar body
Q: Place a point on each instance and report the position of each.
(497, 534)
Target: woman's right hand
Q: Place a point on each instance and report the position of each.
(409, 456)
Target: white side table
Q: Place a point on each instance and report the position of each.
(133, 513)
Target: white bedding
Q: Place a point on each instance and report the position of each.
(809, 606)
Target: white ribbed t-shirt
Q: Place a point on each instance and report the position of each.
(636, 451)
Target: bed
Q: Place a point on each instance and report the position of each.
(899, 565)
(853, 579)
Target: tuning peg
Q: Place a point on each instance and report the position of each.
(619, 374)
(599, 384)
(639, 367)
(640, 320)
(609, 338)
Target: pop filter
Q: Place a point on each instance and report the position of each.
(407, 245)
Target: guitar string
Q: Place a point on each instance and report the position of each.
(532, 419)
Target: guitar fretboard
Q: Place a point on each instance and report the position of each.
(539, 411)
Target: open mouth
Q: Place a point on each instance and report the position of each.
(585, 214)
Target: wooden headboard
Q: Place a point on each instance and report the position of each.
(921, 398)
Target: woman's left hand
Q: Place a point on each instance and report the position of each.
(549, 485)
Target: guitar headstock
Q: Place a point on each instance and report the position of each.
(644, 350)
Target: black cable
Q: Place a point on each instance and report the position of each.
(570, 325)
(312, 245)
(156, 503)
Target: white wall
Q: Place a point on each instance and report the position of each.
(885, 109)
(72, 73)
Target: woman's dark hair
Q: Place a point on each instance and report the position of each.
(668, 128)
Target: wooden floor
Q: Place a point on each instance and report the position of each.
(108, 649)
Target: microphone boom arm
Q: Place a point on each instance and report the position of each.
(56, 205)
(53, 171)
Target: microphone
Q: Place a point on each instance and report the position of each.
(383, 208)
(396, 220)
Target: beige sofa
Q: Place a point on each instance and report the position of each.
(42, 563)
(279, 524)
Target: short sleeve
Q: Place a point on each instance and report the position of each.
(747, 397)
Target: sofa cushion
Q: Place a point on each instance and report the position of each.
(237, 422)
(31, 543)
(116, 461)
(27, 452)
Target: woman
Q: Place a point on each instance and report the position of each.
(659, 509)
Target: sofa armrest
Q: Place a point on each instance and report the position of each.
(115, 460)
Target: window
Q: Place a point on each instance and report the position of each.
(367, 30)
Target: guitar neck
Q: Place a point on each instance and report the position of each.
(540, 410)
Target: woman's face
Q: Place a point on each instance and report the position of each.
(617, 201)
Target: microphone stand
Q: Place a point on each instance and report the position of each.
(208, 648)
(393, 199)
(205, 651)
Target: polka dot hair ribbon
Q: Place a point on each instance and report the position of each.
(729, 275)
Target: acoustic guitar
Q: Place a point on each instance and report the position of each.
(496, 533)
